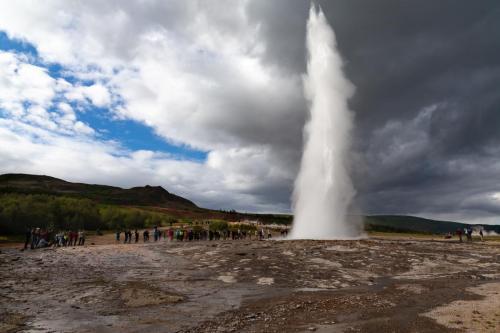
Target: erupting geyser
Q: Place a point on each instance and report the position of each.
(323, 189)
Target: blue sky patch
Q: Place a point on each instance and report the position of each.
(135, 136)
(16, 45)
(130, 134)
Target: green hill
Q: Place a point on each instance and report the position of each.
(136, 196)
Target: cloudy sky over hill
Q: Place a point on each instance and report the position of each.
(205, 98)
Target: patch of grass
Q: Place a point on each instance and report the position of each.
(11, 239)
(492, 238)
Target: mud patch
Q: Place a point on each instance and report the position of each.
(137, 297)
(474, 315)
(11, 322)
(413, 288)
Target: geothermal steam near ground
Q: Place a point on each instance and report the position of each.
(323, 189)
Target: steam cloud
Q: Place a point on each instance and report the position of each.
(323, 189)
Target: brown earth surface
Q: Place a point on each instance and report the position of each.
(371, 285)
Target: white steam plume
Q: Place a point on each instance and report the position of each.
(323, 188)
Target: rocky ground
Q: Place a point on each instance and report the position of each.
(372, 285)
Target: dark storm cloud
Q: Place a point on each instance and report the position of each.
(427, 103)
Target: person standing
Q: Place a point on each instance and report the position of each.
(81, 238)
(36, 239)
(469, 234)
(33, 235)
(27, 234)
(459, 234)
(136, 234)
(60, 239)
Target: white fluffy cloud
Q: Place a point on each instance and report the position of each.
(192, 71)
(22, 82)
(85, 159)
(28, 94)
(96, 94)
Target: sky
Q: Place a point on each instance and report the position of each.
(205, 98)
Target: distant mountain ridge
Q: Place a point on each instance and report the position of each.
(404, 223)
(162, 201)
(137, 196)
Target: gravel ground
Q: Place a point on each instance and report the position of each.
(372, 285)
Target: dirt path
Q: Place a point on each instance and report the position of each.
(373, 285)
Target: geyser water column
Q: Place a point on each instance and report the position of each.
(323, 189)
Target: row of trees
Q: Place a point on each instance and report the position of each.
(19, 211)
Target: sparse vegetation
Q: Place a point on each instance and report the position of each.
(18, 211)
(218, 225)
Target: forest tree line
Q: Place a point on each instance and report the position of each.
(19, 211)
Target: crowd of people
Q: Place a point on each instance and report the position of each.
(191, 234)
(468, 234)
(38, 238)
